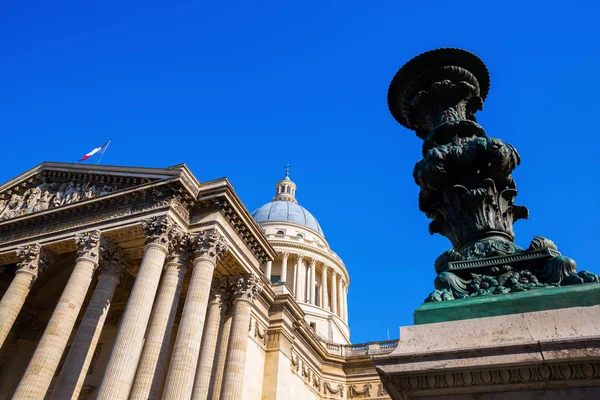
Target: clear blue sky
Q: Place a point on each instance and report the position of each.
(241, 88)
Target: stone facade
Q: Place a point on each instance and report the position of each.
(144, 283)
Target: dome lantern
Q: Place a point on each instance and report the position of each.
(285, 189)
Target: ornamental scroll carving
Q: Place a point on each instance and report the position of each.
(47, 196)
(209, 243)
(89, 245)
(158, 230)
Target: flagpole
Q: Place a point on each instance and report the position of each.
(108, 144)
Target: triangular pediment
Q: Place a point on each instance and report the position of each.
(54, 185)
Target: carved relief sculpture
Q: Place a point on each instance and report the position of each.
(46, 196)
(466, 182)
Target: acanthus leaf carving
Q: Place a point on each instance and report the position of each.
(29, 258)
(158, 230)
(112, 260)
(245, 287)
(209, 243)
(89, 245)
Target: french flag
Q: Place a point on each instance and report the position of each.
(101, 149)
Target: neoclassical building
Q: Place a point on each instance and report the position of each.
(144, 283)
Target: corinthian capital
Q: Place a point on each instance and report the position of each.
(89, 245)
(209, 243)
(29, 258)
(219, 292)
(112, 260)
(246, 287)
(179, 247)
(285, 255)
(157, 230)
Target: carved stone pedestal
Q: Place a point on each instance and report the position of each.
(551, 354)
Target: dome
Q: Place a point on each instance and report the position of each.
(286, 211)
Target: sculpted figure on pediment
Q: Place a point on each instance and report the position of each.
(47, 196)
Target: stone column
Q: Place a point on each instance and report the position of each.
(313, 282)
(214, 392)
(245, 291)
(334, 299)
(208, 247)
(47, 355)
(209, 340)
(77, 362)
(325, 303)
(340, 296)
(127, 348)
(268, 266)
(151, 369)
(299, 292)
(346, 303)
(14, 297)
(284, 261)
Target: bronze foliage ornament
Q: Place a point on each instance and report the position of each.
(466, 182)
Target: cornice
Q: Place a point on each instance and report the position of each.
(219, 195)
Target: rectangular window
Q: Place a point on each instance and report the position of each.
(275, 278)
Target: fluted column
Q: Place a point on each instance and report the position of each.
(208, 247)
(313, 282)
(334, 296)
(268, 266)
(340, 296)
(284, 261)
(127, 348)
(214, 391)
(346, 303)
(299, 292)
(77, 362)
(14, 297)
(325, 303)
(209, 340)
(47, 355)
(245, 291)
(151, 369)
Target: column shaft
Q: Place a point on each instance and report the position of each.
(313, 282)
(340, 295)
(182, 369)
(284, 268)
(346, 303)
(334, 300)
(13, 301)
(77, 362)
(268, 266)
(122, 364)
(214, 392)
(207, 350)
(150, 373)
(47, 355)
(235, 362)
(325, 303)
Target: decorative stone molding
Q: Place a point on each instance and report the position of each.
(483, 378)
(158, 231)
(333, 388)
(112, 260)
(353, 391)
(15, 202)
(209, 244)
(32, 259)
(179, 247)
(285, 255)
(89, 245)
(246, 287)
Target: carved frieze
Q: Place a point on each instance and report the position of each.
(15, 203)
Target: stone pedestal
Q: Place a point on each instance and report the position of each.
(552, 354)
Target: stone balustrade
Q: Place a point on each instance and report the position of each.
(360, 349)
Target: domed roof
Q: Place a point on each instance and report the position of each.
(285, 208)
(287, 211)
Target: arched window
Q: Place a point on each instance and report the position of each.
(287, 189)
(299, 236)
(280, 232)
